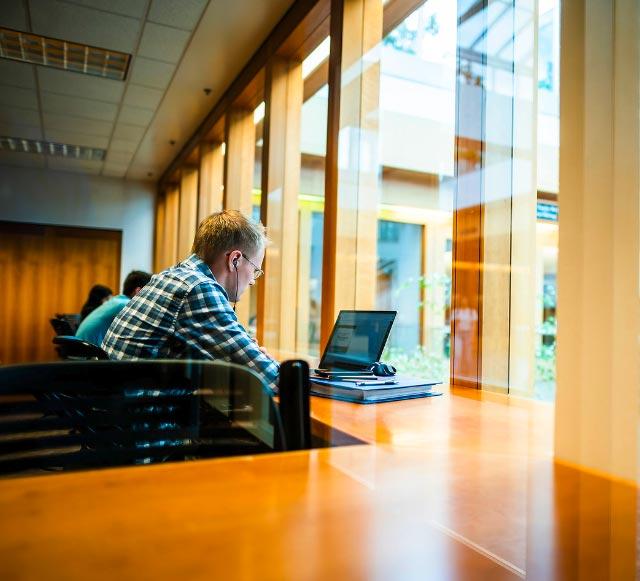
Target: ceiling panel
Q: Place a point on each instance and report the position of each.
(74, 84)
(135, 116)
(151, 73)
(25, 131)
(75, 165)
(22, 159)
(228, 34)
(18, 97)
(134, 8)
(128, 132)
(142, 173)
(71, 138)
(118, 158)
(90, 109)
(162, 42)
(144, 97)
(17, 74)
(13, 15)
(160, 100)
(84, 25)
(77, 124)
(124, 145)
(183, 14)
(19, 116)
(114, 170)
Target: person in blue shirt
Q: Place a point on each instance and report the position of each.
(94, 327)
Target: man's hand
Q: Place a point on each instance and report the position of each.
(263, 349)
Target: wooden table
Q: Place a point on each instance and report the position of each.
(461, 486)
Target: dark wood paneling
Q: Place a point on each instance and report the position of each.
(47, 270)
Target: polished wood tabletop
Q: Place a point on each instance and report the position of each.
(461, 486)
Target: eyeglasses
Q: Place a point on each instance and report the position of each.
(257, 272)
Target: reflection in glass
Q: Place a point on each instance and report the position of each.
(256, 196)
(417, 126)
(313, 134)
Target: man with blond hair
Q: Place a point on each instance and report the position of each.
(185, 312)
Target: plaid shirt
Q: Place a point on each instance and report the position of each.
(184, 313)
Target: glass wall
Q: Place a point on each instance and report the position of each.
(435, 196)
(256, 197)
(416, 133)
(313, 146)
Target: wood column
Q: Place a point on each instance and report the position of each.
(304, 275)
(281, 186)
(188, 210)
(239, 160)
(352, 178)
(158, 245)
(239, 163)
(210, 179)
(598, 300)
(172, 203)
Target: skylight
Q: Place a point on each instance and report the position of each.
(61, 54)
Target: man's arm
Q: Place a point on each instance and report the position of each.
(208, 324)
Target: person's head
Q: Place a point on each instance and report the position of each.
(99, 294)
(233, 246)
(135, 280)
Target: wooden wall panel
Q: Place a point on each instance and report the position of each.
(172, 207)
(239, 160)
(188, 212)
(210, 179)
(239, 166)
(281, 185)
(158, 246)
(47, 270)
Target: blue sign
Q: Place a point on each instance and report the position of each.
(547, 211)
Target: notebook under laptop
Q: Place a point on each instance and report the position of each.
(357, 340)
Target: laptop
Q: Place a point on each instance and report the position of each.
(356, 342)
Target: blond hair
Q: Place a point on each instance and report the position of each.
(225, 231)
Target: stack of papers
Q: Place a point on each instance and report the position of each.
(372, 390)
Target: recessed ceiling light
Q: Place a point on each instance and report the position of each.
(19, 145)
(62, 54)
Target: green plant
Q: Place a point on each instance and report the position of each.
(418, 362)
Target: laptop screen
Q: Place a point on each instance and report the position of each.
(357, 339)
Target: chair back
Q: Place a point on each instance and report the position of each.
(71, 347)
(61, 326)
(294, 403)
(88, 414)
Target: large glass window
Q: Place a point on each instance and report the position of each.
(313, 137)
(417, 128)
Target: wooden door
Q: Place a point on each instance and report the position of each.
(46, 270)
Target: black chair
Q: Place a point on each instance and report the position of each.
(61, 326)
(74, 348)
(89, 414)
(294, 403)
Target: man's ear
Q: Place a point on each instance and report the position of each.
(234, 257)
(136, 291)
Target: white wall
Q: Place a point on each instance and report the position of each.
(68, 199)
